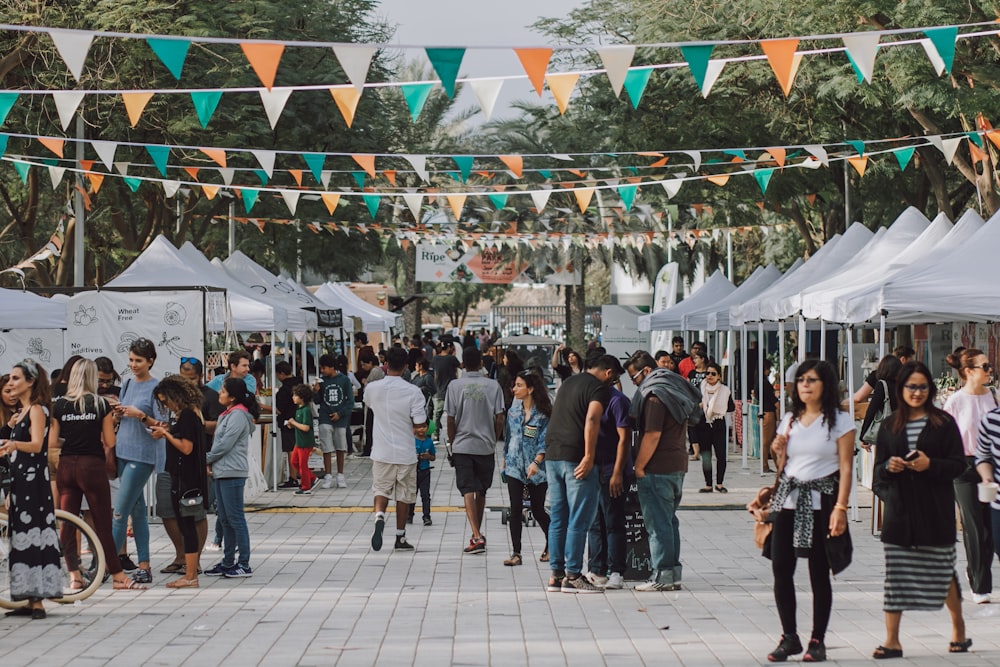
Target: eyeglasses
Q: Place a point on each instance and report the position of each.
(637, 374)
(807, 380)
(190, 360)
(712, 374)
(916, 388)
(986, 367)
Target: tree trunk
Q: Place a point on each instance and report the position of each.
(412, 312)
(576, 305)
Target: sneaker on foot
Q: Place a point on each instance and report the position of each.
(981, 598)
(597, 580)
(303, 492)
(341, 481)
(289, 484)
(239, 572)
(128, 564)
(789, 645)
(476, 546)
(327, 482)
(427, 521)
(401, 543)
(579, 585)
(657, 586)
(141, 576)
(218, 570)
(377, 535)
(212, 546)
(816, 651)
(555, 583)
(615, 582)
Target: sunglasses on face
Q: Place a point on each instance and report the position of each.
(190, 360)
(916, 388)
(986, 367)
(712, 374)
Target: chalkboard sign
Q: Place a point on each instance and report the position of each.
(330, 318)
(638, 563)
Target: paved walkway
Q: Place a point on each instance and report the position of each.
(321, 596)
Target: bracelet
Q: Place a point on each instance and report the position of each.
(838, 506)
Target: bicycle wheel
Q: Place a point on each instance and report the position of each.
(81, 545)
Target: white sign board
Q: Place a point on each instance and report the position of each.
(503, 265)
(43, 345)
(621, 337)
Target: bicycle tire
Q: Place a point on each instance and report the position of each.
(93, 575)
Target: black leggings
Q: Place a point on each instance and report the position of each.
(783, 561)
(713, 437)
(537, 494)
(189, 531)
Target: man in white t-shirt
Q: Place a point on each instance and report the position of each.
(398, 406)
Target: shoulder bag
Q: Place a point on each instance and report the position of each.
(871, 435)
(760, 506)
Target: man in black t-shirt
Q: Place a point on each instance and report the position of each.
(445, 366)
(574, 482)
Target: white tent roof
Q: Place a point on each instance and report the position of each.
(263, 281)
(162, 265)
(24, 310)
(863, 304)
(820, 299)
(715, 317)
(372, 318)
(716, 288)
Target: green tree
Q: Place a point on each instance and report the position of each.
(454, 300)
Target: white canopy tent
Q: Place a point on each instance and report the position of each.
(715, 317)
(263, 281)
(372, 318)
(716, 288)
(24, 310)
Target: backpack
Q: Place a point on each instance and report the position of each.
(871, 435)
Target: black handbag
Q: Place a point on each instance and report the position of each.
(191, 503)
(839, 551)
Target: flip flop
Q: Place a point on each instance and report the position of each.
(184, 583)
(959, 647)
(75, 586)
(883, 653)
(128, 585)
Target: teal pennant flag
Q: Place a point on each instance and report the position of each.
(635, 83)
(464, 163)
(944, 41)
(249, 197)
(159, 154)
(315, 162)
(205, 103)
(171, 53)
(627, 194)
(415, 95)
(763, 178)
(372, 202)
(7, 101)
(446, 63)
(498, 200)
(697, 57)
(903, 156)
(132, 183)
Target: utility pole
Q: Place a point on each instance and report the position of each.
(78, 212)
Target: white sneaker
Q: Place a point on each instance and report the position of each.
(616, 581)
(653, 586)
(327, 482)
(597, 579)
(341, 482)
(981, 598)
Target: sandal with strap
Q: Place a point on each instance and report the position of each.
(883, 653)
(129, 584)
(959, 647)
(173, 568)
(184, 583)
(544, 558)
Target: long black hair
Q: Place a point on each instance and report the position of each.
(539, 391)
(829, 403)
(237, 388)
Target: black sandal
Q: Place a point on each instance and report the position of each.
(721, 489)
(959, 647)
(883, 653)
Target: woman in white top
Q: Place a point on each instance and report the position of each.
(816, 442)
(968, 406)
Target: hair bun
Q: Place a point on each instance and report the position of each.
(953, 360)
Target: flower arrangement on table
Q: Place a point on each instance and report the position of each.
(947, 385)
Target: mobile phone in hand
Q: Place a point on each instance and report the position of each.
(912, 454)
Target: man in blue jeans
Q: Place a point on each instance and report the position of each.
(574, 484)
(662, 406)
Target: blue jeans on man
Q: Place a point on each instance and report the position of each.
(572, 508)
(606, 544)
(659, 497)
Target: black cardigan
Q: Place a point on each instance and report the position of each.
(920, 511)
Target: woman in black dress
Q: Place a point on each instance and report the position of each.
(35, 570)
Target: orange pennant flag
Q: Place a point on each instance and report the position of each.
(514, 162)
(859, 162)
(994, 137)
(135, 103)
(260, 224)
(562, 86)
(535, 62)
(405, 244)
(347, 98)
(96, 180)
(192, 172)
(811, 199)
(778, 154)
(264, 59)
(210, 191)
(760, 205)
(783, 59)
(583, 197)
(331, 200)
(366, 162)
(53, 144)
(457, 203)
(718, 179)
(297, 175)
(87, 165)
(976, 154)
(390, 175)
(578, 173)
(216, 154)
(661, 162)
(485, 174)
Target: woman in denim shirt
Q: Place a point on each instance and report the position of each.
(524, 457)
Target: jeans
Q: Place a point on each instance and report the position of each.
(573, 506)
(659, 497)
(606, 542)
(131, 501)
(235, 534)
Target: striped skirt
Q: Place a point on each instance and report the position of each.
(918, 577)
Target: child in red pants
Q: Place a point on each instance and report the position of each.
(305, 440)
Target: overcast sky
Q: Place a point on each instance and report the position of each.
(476, 22)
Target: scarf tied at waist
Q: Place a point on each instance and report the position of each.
(802, 530)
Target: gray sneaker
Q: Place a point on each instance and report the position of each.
(653, 586)
(579, 585)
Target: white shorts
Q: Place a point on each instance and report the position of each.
(332, 439)
(395, 481)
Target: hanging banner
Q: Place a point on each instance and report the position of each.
(43, 345)
(437, 263)
(664, 296)
(106, 323)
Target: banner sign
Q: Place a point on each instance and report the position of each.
(43, 345)
(330, 318)
(437, 263)
(664, 296)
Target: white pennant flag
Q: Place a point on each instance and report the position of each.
(810, 163)
(540, 199)
(56, 174)
(106, 151)
(73, 46)
(863, 47)
(266, 160)
(227, 174)
(672, 186)
(291, 198)
(712, 73)
(948, 147)
(67, 102)
(819, 153)
(170, 188)
(616, 61)
(122, 167)
(324, 178)
(696, 158)
(419, 163)
(274, 101)
(415, 203)
(355, 60)
(932, 54)
(487, 91)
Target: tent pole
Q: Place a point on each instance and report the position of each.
(744, 409)
(822, 339)
(275, 447)
(850, 407)
(802, 338)
(732, 374)
(781, 367)
(761, 342)
(881, 334)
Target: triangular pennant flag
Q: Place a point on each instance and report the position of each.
(73, 46)
(616, 60)
(274, 102)
(315, 162)
(514, 162)
(562, 86)
(535, 62)
(262, 175)
(487, 91)
(324, 178)
(695, 158)
(457, 203)
(7, 100)
(498, 200)
(266, 160)
(205, 103)
(355, 61)
(627, 194)
(347, 99)
(862, 47)
(359, 178)
(134, 105)
(948, 147)
(718, 179)
(975, 138)
(540, 198)
(3, 143)
(545, 173)
(372, 202)
(697, 57)
(819, 153)
(583, 197)
(227, 175)
(446, 63)
(56, 174)
(809, 198)
(264, 58)
(159, 154)
(932, 54)
(22, 170)
(778, 155)
(672, 186)
(857, 145)
(781, 55)
(217, 155)
(635, 83)
(106, 151)
(763, 177)
(210, 191)
(415, 95)
(366, 162)
(132, 183)
(390, 175)
(53, 144)
(464, 163)
(171, 52)
(170, 188)
(249, 196)
(96, 181)
(419, 163)
(712, 72)
(192, 172)
(976, 153)
(122, 167)
(331, 200)
(297, 175)
(943, 41)
(415, 203)
(67, 102)
(291, 198)
(859, 162)
(903, 156)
